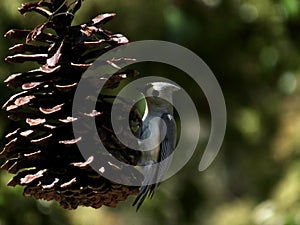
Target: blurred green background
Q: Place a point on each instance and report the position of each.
(253, 47)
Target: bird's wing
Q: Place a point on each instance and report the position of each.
(169, 141)
(152, 175)
(167, 147)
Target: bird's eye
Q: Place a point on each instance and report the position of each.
(155, 93)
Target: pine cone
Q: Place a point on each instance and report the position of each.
(43, 151)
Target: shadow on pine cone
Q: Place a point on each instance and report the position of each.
(43, 151)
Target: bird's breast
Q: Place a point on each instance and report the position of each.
(150, 142)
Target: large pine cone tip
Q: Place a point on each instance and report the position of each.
(43, 151)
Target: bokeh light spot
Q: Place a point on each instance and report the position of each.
(269, 56)
(248, 13)
(287, 83)
(212, 3)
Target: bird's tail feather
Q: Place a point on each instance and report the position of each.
(150, 183)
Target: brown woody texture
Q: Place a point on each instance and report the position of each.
(43, 151)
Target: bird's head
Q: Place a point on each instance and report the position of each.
(159, 89)
(159, 95)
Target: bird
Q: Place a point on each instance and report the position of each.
(157, 136)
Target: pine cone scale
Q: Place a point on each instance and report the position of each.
(43, 153)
